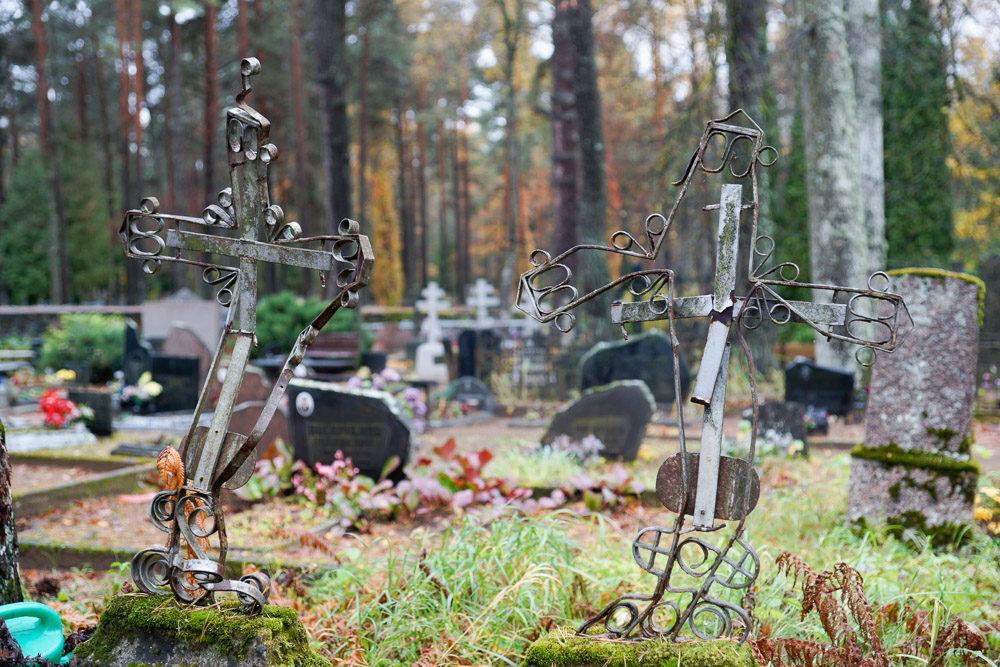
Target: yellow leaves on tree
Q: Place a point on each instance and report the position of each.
(387, 282)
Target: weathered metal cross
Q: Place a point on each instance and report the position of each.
(214, 457)
(707, 486)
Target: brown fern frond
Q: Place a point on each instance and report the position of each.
(307, 539)
(171, 469)
(799, 653)
(958, 634)
(790, 564)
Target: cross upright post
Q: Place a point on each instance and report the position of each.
(214, 457)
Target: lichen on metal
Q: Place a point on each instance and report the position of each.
(718, 492)
(214, 457)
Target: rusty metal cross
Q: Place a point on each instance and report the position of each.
(214, 457)
(711, 488)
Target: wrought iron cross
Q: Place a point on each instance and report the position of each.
(711, 488)
(214, 457)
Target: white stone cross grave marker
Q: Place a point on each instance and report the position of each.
(482, 298)
(431, 305)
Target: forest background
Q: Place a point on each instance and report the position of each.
(464, 134)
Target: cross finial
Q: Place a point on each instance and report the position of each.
(482, 299)
(431, 305)
(248, 68)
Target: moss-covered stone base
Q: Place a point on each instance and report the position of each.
(151, 631)
(564, 648)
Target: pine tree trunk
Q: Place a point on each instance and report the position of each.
(456, 186)
(421, 183)
(138, 277)
(211, 105)
(242, 32)
(837, 243)
(363, 125)
(443, 273)
(746, 53)
(10, 579)
(593, 185)
(58, 260)
(171, 123)
(329, 31)
(302, 198)
(513, 21)
(565, 149)
(462, 196)
(409, 288)
(864, 40)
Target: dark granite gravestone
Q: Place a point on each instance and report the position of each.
(818, 386)
(647, 357)
(783, 418)
(477, 353)
(365, 425)
(179, 377)
(100, 403)
(616, 414)
(471, 391)
(138, 354)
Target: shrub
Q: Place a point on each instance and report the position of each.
(281, 317)
(98, 340)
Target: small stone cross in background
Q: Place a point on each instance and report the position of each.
(431, 305)
(482, 298)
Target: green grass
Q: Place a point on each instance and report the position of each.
(492, 585)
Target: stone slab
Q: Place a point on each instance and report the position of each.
(565, 648)
(142, 631)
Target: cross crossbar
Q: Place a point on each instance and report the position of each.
(265, 252)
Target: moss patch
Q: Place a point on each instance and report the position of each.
(222, 628)
(961, 473)
(942, 273)
(564, 648)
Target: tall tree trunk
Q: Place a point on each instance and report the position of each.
(170, 129)
(593, 186)
(58, 261)
(129, 198)
(211, 104)
(10, 578)
(409, 250)
(138, 88)
(363, 125)
(242, 32)
(329, 30)
(462, 165)
(565, 148)
(456, 178)
(102, 109)
(422, 182)
(443, 273)
(302, 198)
(513, 22)
(746, 53)
(864, 41)
(4, 86)
(837, 245)
(80, 93)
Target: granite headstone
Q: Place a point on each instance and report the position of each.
(616, 414)
(138, 354)
(471, 391)
(810, 384)
(365, 425)
(647, 357)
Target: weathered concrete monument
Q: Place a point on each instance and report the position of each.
(913, 469)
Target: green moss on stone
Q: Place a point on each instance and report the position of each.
(957, 471)
(942, 273)
(941, 535)
(564, 648)
(221, 627)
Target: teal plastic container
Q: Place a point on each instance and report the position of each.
(37, 628)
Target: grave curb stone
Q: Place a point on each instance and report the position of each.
(627, 455)
(914, 470)
(563, 647)
(141, 631)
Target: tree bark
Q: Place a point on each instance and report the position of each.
(464, 204)
(421, 182)
(513, 22)
(302, 198)
(363, 125)
(837, 245)
(409, 254)
(242, 32)
(746, 53)
(58, 260)
(171, 124)
(443, 273)
(138, 280)
(565, 148)
(864, 41)
(211, 105)
(593, 183)
(10, 579)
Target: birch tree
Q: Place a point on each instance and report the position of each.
(837, 236)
